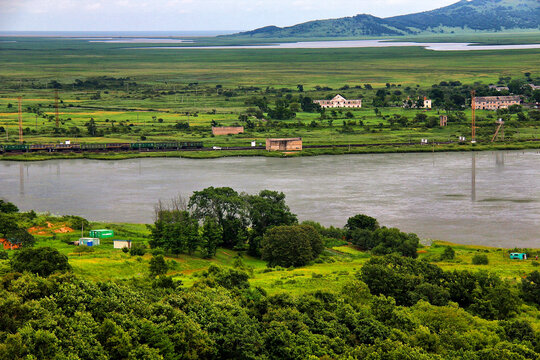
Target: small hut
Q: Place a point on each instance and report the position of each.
(289, 144)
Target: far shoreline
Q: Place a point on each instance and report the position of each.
(327, 150)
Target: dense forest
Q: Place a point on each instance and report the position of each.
(395, 307)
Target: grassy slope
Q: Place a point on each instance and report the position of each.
(338, 267)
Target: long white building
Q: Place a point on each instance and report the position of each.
(339, 102)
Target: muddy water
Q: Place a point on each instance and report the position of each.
(490, 198)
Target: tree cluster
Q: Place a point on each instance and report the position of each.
(216, 217)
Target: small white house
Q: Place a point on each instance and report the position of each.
(120, 244)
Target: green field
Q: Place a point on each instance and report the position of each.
(164, 87)
(336, 267)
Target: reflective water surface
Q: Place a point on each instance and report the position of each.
(490, 198)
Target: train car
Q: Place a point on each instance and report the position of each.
(41, 147)
(93, 147)
(191, 145)
(117, 146)
(166, 145)
(67, 147)
(142, 146)
(16, 147)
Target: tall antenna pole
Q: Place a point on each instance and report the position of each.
(20, 120)
(473, 108)
(56, 106)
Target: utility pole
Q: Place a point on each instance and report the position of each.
(20, 120)
(473, 108)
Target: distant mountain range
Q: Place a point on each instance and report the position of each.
(463, 16)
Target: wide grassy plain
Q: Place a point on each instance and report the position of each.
(164, 87)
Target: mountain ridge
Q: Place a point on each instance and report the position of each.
(464, 15)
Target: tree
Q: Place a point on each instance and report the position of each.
(530, 287)
(158, 266)
(290, 245)
(7, 207)
(360, 221)
(10, 230)
(41, 261)
(281, 111)
(211, 237)
(176, 231)
(265, 210)
(224, 205)
(91, 127)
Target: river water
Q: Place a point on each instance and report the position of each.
(489, 198)
(344, 44)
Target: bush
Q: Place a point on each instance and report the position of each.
(385, 241)
(158, 266)
(448, 253)
(294, 245)
(83, 249)
(480, 260)
(4, 255)
(137, 250)
(41, 261)
(125, 250)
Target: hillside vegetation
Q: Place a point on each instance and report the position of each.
(59, 301)
(463, 16)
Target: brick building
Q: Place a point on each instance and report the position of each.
(495, 102)
(290, 144)
(339, 102)
(227, 130)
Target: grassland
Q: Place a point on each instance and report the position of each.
(337, 266)
(204, 86)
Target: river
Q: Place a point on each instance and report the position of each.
(487, 198)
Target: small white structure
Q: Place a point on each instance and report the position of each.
(120, 244)
(253, 143)
(89, 241)
(424, 141)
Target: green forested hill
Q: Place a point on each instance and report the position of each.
(463, 16)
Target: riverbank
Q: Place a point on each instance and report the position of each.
(330, 150)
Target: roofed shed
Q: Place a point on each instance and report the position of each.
(289, 144)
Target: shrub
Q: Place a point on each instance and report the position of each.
(83, 249)
(125, 250)
(41, 261)
(480, 260)
(4, 255)
(448, 253)
(137, 250)
(158, 266)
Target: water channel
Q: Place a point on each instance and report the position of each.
(489, 198)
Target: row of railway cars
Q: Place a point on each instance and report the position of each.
(172, 145)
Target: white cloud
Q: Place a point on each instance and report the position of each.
(189, 14)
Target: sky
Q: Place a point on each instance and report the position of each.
(189, 15)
